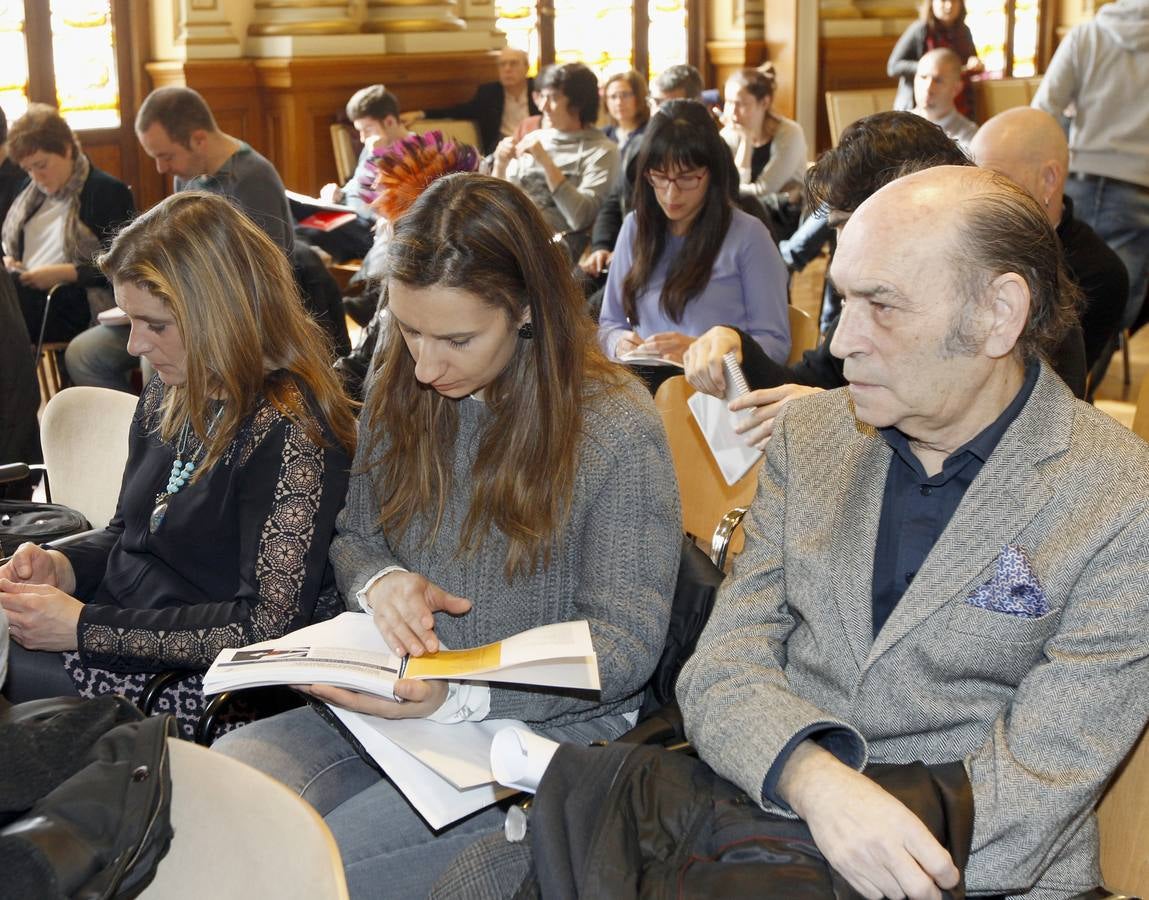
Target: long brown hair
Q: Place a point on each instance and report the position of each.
(484, 236)
(234, 298)
(682, 134)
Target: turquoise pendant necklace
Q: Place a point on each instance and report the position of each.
(181, 474)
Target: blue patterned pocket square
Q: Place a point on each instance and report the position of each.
(1014, 588)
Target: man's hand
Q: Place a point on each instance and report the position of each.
(44, 278)
(420, 699)
(764, 405)
(702, 360)
(331, 193)
(596, 262)
(667, 345)
(40, 617)
(32, 564)
(404, 605)
(868, 835)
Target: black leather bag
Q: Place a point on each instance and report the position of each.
(623, 821)
(85, 798)
(39, 523)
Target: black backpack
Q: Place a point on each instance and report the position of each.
(85, 798)
(23, 520)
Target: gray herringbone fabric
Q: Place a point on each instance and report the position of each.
(1041, 710)
(614, 565)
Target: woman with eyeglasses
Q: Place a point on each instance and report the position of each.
(687, 258)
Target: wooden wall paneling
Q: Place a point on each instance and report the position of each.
(724, 58)
(781, 49)
(849, 64)
(105, 153)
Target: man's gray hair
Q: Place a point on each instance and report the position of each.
(1000, 228)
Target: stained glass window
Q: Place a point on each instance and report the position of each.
(82, 82)
(599, 33)
(988, 21)
(667, 35)
(87, 90)
(13, 61)
(595, 33)
(519, 21)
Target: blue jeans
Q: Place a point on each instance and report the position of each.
(387, 848)
(99, 357)
(1119, 212)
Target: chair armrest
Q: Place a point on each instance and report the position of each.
(720, 543)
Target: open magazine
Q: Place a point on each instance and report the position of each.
(445, 771)
(349, 652)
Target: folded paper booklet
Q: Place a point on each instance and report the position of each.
(349, 652)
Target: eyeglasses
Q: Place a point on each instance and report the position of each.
(620, 95)
(660, 181)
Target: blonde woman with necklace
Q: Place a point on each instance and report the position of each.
(238, 462)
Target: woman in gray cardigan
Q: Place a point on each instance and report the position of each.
(508, 477)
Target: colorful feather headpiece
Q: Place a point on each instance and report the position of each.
(406, 168)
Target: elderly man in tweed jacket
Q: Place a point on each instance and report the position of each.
(946, 560)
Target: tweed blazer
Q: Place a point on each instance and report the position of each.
(1041, 710)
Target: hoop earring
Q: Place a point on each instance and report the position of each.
(526, 331)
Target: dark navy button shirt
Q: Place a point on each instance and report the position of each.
(916, 508)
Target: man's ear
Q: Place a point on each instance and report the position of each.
(196, 139)
(1008, 305)
(1051, 176)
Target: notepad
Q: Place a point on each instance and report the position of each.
(731, 452)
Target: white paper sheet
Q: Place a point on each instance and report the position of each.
(437, 800)
(519, 758)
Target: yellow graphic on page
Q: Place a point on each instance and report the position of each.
(454, 663)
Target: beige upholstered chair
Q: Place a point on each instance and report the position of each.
(84, 432)
(240, 834)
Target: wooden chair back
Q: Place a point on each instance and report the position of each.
(993, 95)
(1123, 818)
(803, 333)
(344, 149)
(462, 130)
(706, 496)
(1141, 416)
(846, 107)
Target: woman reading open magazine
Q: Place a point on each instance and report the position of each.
(508, 476)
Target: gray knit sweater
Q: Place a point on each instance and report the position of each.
(614, 565)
